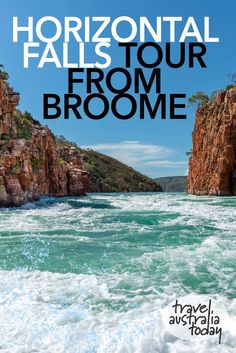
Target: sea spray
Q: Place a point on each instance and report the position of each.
(93, 274)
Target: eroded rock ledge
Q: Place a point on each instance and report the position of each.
(212, 167)
(31, 165)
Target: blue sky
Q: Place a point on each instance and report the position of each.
(154, 147)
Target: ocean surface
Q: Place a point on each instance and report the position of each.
(91, 274)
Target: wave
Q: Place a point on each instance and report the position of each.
(91, 274)
(48, 312)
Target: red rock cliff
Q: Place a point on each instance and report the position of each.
(30, 163)
(212, 167)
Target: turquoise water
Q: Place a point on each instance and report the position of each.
(90, 274)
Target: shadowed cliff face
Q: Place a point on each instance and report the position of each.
(212, 167)
(30, 163)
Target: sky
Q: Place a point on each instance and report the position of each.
(155, 147)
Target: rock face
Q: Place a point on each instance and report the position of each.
(108, 174)
(30, 163)
(212, 167)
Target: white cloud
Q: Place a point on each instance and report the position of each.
(166, 164)
(133, 152)
(147, 158)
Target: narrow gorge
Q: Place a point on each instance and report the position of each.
(34, 162)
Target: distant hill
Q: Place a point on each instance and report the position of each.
(108, 174)
(173, 183)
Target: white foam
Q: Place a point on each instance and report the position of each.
(117, 312)
(184, 210)
(47, 313)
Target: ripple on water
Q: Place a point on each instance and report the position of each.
(98, 269)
